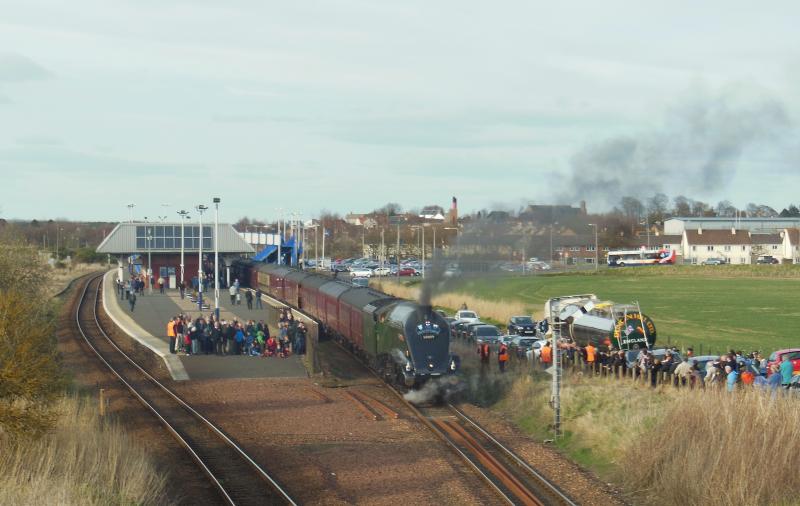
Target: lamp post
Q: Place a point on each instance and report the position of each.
(183, 214)
(58, 234)
(149, 260)
(216, 258)
(200, 209)
(596, 255)
(551, 241)
(422, 249)
(130, 211)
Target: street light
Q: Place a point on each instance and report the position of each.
(130, 211)
(551, 241)
(596, 257)
(184, 215)
(216, 258)
(200, 209)
(149, 260)
(422, 250)
(58, 234)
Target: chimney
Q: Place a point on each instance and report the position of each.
(733, 230)
(583, 207)
(700, 231)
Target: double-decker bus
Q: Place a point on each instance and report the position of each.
(643, 256)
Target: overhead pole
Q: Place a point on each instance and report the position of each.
(200, 209)
(216, 258)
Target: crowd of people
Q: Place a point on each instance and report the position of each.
(207, 336)
(670, 366)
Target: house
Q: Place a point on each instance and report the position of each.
(355, 219)
(677, 225)
(732, 245)
(432, 213)
(767, 244)
(790, 245)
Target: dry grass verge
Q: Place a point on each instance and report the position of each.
(497, 310)
(83, 460)
(714, 448)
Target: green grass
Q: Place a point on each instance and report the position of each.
(716, 308)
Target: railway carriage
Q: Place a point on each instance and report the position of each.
(406, 342)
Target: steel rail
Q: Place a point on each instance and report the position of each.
(515, 458)
(170, 428)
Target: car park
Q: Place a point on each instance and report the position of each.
(522, 325)
(714, 261)
(538, 265)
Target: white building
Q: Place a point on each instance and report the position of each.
(734, 246)
(677, 225)
(791, 245)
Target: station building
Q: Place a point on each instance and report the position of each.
(158, 246)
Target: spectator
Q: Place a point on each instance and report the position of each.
(259, 293)
(732, 378)
(775, 379)
(238, 339)
(591, 356)
(683, 373)
(546, 355)
(484, 352)
(182, 288)
(232, 292)
(171, 335)
(132, 301)
(161, 285)
(302, 332)
(502, 357)
(786, 370)
(249, 296)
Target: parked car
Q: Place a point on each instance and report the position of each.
(777, 358)
(484, 333)
(538, 266)
(360, 281)
(360, 272)
(767, 259)
(657, 354)
(702, 361)
(467, 316)
(714, 261)
(382, 271)
(452, 272)
(340, 267)
(522, 325)
(466, 329)
(520, 345)
(407, 271)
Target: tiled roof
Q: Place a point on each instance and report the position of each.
(714, 237)
(766, 238)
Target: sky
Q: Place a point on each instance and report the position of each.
(345, 105)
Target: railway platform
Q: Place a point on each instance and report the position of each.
(148, 323)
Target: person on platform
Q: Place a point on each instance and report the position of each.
(259, 293)
(171, 335)
(238, 338)
(271, 347)
(232, 292)
(161, 285)
(249, 296)
(302, 332)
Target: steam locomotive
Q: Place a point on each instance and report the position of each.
(407, 343)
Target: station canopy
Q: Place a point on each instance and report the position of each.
(128, 238)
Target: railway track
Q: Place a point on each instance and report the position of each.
(239, 479)
(507, 474)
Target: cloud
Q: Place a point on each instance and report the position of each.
(15, 68)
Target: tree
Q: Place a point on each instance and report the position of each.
(791, 212)
(700, 208)
(682, 206)
(29, 374)
(657, 207)
(389, 209)
(632, 208)
(726, 209)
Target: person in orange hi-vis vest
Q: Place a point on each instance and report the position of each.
(502, 357)
(546, 355)
(171, 335)
(591, 354)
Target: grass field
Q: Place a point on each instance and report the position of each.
(720, 307)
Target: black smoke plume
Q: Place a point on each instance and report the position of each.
(697, 147)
